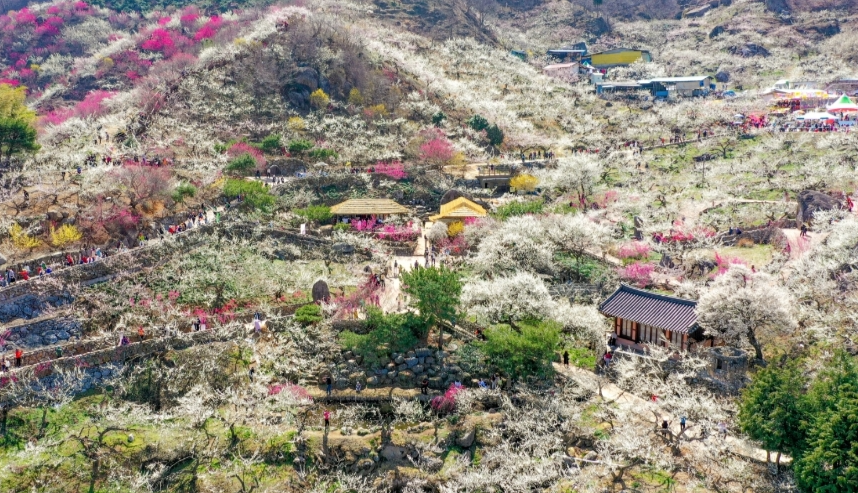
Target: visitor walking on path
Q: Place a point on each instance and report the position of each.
(19, 356)
(682, 423)
(327, 416)
(565, 358)
(328, 386)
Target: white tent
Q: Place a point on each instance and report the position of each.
(814, 115)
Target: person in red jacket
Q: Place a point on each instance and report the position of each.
(19, 356)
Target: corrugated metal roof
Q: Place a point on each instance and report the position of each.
(367, 207)
(695, 78)
(657, 310)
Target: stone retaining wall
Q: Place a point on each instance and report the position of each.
(45, 332)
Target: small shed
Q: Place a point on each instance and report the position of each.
(458, 210)
(618, 57)
(380, 208)
(644, 317)
(698, 85)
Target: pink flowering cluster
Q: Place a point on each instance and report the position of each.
(638, 273)
(436, 151)
(91, 106)
(456, 245)
(723, 263)
(396, 233)
(296, 391)
(395, 170)
(635, 249)
(210, 28)
(446, 403)
(240, 148)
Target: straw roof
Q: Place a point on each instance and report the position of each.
(459, 208)
(368, 207)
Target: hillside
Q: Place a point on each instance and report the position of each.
(360, 246)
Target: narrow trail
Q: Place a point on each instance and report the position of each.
(642, 407)
(390, 298)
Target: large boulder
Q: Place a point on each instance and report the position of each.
(749, 50)
(321, 292)
(811, 201)
(697, 11)
(716, 31)
(598, 26)
(466, 438)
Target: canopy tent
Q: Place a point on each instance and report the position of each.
(813, 115)
(842, 105)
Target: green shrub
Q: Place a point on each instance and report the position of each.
(322, 154)
(524, 352)
(300, 146)
(478, 123)
(183, 191)
(519, 209)
(495, 135)
(396, 332)
(271, 144)
(342, 227)
(308, 314)
(438, 118)
(315, 213)
(255, 194)
(242, 165)
(582, 358)
(221, 148)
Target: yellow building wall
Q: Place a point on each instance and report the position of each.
(625, 57)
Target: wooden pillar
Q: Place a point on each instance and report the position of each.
(667, 338)
(684, 342)
(634, 331)
(618, 326)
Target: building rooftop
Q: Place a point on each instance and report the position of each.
(459, 208)
(657, 310)
(367, 207)
(693, 78)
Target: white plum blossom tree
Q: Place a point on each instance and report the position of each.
(746, 308)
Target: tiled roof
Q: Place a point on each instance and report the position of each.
(646, 307)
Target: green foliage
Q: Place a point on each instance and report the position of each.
(495, 135)
(519, 209)
(396, 332)
(183, 191)
(478, 123)
(243, 164)
(221, 148)
(437, 292)
(342, 227)
(582, 358)
(271, 144)
(16, 136)
(770, 408)
(321, 154)
(829, 459)
(308, 314)
(438, 118)
(255, 194)
(524, 352)
(300, 146)
(315, 213)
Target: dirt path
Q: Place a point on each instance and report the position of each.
(642, 407)
(392, 299)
